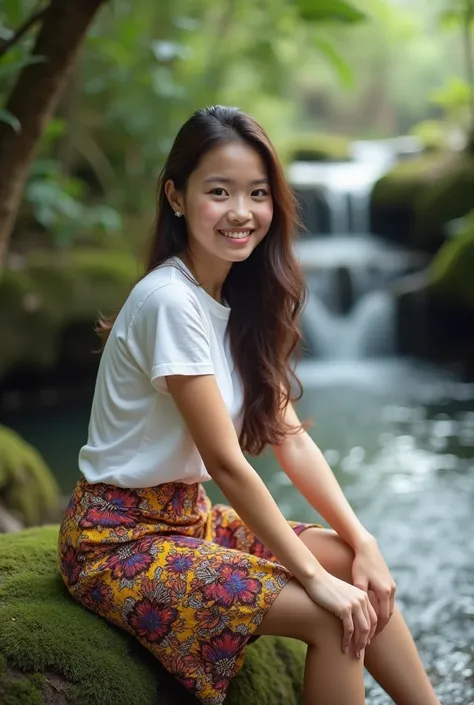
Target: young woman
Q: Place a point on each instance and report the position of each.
(196, 370)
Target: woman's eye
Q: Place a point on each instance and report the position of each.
(218, 192)
(259, 193)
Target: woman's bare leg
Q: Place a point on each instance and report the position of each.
(392, 657)
(332, 677)
(392, 653)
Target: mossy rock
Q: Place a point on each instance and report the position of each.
(317, 147)
(416, 199)
(46, 292)
(451, 272)
(450, 195)
(433, 135)
(54, 652)
(400, 185)
(27, 486)
(392, 203)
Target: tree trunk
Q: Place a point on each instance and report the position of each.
(34, 98)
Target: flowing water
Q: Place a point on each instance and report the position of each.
(398, 434)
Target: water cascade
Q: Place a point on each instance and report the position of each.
(350, 311)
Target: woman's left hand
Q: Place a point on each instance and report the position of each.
(370, 573)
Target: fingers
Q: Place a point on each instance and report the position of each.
(359, 623)
(373, 620)
(392, 598)
(362, 626)
(383, 603)
(384, 609)
(386, 600)
(348, 626)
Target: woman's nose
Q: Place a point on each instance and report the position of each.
(240, 212)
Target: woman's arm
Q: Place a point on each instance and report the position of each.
(303, 462)
(200, 403)
(305, 465)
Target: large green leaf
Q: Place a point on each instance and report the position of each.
(330, 11)
(338, 62)
(6, 116)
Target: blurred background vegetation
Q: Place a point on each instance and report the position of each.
(312, 69)
(371, 106)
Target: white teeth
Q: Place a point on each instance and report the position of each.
(235, 236)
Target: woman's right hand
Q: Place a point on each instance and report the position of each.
(350, 604)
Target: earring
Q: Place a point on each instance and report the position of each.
(178, 214)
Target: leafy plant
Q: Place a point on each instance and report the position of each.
(460, 13)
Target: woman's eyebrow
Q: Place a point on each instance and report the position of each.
(224, 180)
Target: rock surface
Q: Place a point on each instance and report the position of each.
(28, 491)
(54, 652)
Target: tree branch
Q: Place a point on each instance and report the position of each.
(23, 29)
(34, 97)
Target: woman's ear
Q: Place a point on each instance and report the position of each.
(175, 198)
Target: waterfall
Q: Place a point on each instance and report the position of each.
(368, 330)
(344, 188)
(350, 312)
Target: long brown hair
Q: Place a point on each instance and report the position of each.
(265, 292)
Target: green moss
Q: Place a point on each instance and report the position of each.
(401, 185)
(19, 691)
(434, 188)
(42, 630)
(27, 486)
(450, 195)
(451, 273)
(316, 147)
(432, 134)
(46, 292)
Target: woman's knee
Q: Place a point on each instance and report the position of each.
(294, 614)
(334, 554)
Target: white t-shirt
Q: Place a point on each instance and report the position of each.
(137, 437)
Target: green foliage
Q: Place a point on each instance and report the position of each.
(451, 272)
(329, 10)
(58, 206)
(456, 12)
(27, 486)
(9, 119)
(59, 203)
(144, 71)
(43, 629)
(461, 13)
(433, 135)
(454, 99)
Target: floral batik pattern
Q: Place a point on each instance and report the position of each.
(190, 581)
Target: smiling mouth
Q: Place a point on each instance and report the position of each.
(236, 234)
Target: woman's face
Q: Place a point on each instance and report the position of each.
(227, 204)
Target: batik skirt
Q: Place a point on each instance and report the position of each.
(189, 580)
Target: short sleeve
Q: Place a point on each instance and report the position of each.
(169, 335)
